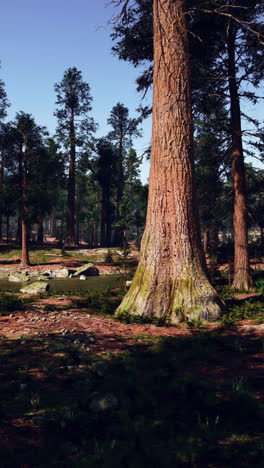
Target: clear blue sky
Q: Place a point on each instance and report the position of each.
(40, 39)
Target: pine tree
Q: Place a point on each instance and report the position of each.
(73, 101)
(171, 280)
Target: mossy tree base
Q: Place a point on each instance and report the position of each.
(243, 281)
(170, 291)
(171, 280)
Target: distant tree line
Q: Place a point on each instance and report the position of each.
(71, 186)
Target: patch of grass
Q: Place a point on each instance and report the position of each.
(259, 284)
(105, 302)
(9, 303)
(251, 308)
(126, 317)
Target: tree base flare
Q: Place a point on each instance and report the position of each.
(173, 301)
(242, 281)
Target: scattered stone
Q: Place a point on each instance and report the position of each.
(43, 278)
(83, 278)
(128, 284)
(18, 278)
(104, 402)
(35, 288)
(63, 273)
(87, 270)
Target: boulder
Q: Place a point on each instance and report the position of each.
(63, 273)
(82, 277)
(18, 277)
(43, 278)
(87, 270)
(35, 288)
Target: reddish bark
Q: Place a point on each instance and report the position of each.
(24, 221)
(71, 187)
(242, 278)
(171, 279)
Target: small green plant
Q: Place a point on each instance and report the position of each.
(195, 323)
(247, 310)
(126, 317)
(109, 257)
(260, 286)
(10, 302)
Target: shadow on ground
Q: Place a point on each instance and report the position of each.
(165, 402)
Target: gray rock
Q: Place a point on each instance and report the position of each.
(18, 278)
(128, 284)
(35, 288)
(63, 273)
(104, 403)
(87, 270)
(43, 278)
(82, 277)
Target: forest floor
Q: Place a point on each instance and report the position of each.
(80, 389)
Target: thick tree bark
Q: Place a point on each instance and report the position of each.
(171, 279)
(71, 187)
(242, 277)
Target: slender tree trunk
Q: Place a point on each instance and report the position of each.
(40, 233)
(171, 280)
(1, 193)
(242, 277)
(24, 222)
(71, 187)
(7, 228)
(53, 223)
(206, 240)
(25, 255)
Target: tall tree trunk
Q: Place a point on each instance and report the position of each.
(25, 255)
(53, 223)
(171, 280)
(1, 193)
(7, 227)
(206, 240)
(242, 277)
(118, 236)
(71, 187)
(40, 233)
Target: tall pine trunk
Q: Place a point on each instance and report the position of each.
(71, 187)
(24, 221)
(1, 193)
(171, 279)
(242, 277)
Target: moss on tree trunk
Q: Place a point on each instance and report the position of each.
(171, 279)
